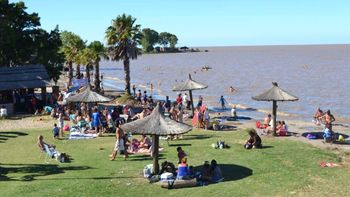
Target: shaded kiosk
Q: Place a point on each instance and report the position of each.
(88, 96)
(189, 85)
(17, 82)
(156, 124)
(275, 94)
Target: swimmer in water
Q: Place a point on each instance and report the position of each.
(232, 90)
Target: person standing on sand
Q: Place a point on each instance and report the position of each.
(200, 101)
(134, 90)
(222, 101)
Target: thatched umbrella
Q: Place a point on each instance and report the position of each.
(275, 94)
(88, 96)
(156, 124)
(190, 85)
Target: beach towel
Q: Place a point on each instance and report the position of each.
(328, 164)
(79, 136)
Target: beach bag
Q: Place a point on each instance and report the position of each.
(311, 136)
(166, 176)
(341, 138)
(66, 128)
(148, 171)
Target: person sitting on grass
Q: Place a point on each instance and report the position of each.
(215, 171)
(281, 128)
(267, 121)
(205, 174)
(183, 170)
(145, 142)
(254, 141)
(41, 144)
(180, 154)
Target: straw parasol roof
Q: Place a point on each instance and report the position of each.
(88, 96)
(275, 94)
(156, 124)
(188, 85)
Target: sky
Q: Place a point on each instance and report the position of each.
(207, 22)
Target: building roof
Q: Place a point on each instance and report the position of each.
(156, 124)
(28, 76)
(275, 94)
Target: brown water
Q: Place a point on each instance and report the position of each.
(318, 75)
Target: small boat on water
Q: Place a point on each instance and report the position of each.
(206, 67)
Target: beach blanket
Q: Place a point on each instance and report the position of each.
(328, 164)
(79, 136)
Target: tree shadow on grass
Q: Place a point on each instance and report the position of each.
(144, 157)
(29, 172)
(181, 144)
(5, 135)
(196, 137)
(231, 172)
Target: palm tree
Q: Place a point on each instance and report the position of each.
(71, 45)
(123, 36)
(85, 58)
(98, 51)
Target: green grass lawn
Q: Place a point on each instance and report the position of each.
(283, 168)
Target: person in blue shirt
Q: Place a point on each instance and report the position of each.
(328, 134)
(96, 122)
(222, 101)
(56, 131)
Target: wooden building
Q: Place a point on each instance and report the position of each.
(17, 84)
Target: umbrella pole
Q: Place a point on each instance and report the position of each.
(155, 139)
(274, 115)
(191, 98)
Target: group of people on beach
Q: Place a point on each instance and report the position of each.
(327, 119)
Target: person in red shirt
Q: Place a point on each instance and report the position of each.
(179, 99)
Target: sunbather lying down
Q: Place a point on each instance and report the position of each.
(137, 146)
(50, 149)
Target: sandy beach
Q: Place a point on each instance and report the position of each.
(297, 127)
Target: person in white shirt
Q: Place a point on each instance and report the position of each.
(184, 99)
(3, 111)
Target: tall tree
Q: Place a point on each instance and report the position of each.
(163, 39)
(46, 52)
(98, 51)
(71, 45)
(149, 39)
(172, 41)
(84, 57)
(166, 38)
(22, 41)
(123, 36)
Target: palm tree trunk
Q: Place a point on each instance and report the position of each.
(127, 75)
(70, 73)
(78, 71)
(88, 73)
(97, 77)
